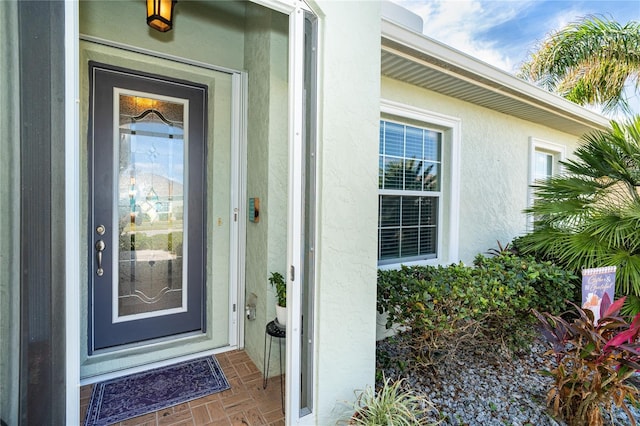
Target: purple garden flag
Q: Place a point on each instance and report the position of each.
(597, 284)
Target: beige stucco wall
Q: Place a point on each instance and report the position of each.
(494, 165)
(349, 76)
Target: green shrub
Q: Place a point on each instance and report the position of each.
(552, 285)
(431, 303)
(442, 307)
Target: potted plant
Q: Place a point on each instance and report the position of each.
(277, 280)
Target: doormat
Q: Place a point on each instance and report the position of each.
(115, 400)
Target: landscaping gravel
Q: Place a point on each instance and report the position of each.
(484, 388)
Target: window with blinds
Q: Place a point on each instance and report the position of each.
(410, 185)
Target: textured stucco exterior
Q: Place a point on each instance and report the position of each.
(494, 166)
(266, 55)
(349, 76)
(203, 31)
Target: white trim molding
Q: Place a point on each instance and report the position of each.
(283, 6)
(295, 215)
(72, 212)
(239, 182)
(453, 139)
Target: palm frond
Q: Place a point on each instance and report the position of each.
(590, 215)
(589, 62)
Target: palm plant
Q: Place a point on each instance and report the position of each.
(590, 215)
(589, 62)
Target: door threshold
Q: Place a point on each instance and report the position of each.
(150, 344)
(151, 366)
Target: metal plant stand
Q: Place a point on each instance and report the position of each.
(271, 331)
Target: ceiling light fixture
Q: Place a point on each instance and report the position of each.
(160, 14)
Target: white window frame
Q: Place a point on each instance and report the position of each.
(450, 173)
(559, 153)
(436, 194)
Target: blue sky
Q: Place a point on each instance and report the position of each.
(503, 33)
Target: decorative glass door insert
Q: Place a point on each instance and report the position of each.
(151, 206)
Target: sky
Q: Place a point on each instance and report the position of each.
(503, 33)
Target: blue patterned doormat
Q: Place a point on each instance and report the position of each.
(115, 400)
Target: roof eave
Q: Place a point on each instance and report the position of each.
(416, 48)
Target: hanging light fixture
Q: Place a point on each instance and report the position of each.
(160, 14)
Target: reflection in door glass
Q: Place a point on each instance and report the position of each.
(151, 206)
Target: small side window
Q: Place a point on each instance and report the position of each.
(545, 158)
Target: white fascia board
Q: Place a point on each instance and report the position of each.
(442, 52)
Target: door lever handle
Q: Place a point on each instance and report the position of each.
(100, 246)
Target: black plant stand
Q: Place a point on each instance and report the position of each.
(272, 330)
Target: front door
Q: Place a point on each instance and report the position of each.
(147, 171)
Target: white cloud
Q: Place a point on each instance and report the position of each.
(559, 20)
(458, 23)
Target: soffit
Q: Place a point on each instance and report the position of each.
(415, 59)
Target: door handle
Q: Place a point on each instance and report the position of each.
(100, 246)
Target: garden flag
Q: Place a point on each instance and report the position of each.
(597, 284)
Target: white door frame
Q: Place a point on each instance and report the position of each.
(72, 210)
(295, 9)
(238, 245)
(295, 222)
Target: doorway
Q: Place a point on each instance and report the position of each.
(224, 275)
(164, 177)
(147, 163)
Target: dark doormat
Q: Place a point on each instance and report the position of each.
(131, 396)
